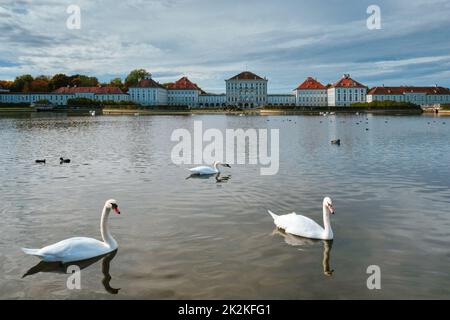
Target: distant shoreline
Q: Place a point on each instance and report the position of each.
(262, 112)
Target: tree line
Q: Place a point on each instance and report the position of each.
(27, 83)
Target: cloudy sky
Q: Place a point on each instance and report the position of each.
(210, 40)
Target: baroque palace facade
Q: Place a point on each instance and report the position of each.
(246, 90)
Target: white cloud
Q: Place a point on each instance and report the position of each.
(211, 40)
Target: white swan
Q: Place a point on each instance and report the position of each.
(208, 170)
(305, 227)
(80, 248)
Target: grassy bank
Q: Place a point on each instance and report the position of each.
(384, 107)
(15, 107)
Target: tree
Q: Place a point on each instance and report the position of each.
(59, 80)
(80, 80)
(86, 81)
(40, 84)
(22, 83)
(5, 84)
(117, 83)
(135, 76)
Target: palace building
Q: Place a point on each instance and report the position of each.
(62, 95)
(311, 93)
(345, 92)
(417, 95)
(245, 90)
(148, 92)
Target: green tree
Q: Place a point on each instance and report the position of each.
(117, 83)
(59, 80)
(80, 80)
(135, 76)
(22, 83)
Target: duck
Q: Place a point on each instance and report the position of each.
(337, 141)
(40, 161)
(62, 160)
(201, 170)
(302, 226)
(80, 248)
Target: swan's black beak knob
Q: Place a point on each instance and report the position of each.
(115, 208)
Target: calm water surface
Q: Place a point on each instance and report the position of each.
(196, 238)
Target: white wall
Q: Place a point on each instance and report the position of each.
(58, 98)
(309, 97)
(285, 99)
(346, 96)
(181, 97)
(250, 92)
(148, 96)
(212, 100)
(416, 98)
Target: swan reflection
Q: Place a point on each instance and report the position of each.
(59, 267)
(220, 178)
(296, 241)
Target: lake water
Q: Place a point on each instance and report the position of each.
(198, 239)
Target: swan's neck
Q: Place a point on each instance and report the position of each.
(327, 224)
(106, 236)
(216, 167)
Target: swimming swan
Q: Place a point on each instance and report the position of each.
(208, 170)
(80, 248)
(305, 227)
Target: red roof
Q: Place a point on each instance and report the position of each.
(148, 83)
(184, 84)
(403, 90)
(96, 90)
(246, 75)
(347, 82)
(311, 84)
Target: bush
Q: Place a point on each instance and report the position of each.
(119, 103)
(43, 101)
(83, 102)
(387, 105)
(14, 105)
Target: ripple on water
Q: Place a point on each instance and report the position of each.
(197, 238)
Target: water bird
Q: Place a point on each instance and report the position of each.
(337, 141)
(62, 160)
(367, 129)
(305, 227)
(81, 248)
(208, 170)
(40, 161)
